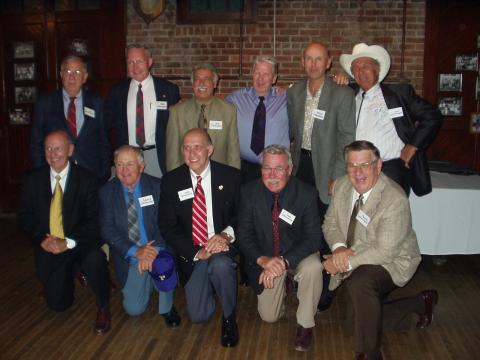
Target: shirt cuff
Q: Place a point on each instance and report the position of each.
(195, 258)
(229, 231)
(71, 244)
(132, 252)
(337, 245)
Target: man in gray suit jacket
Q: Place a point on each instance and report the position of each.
(374, 248)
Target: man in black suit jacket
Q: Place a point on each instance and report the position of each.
(401, 124)
(71, 241)
(88, 134)
(158, 96)
(205, 258)
(279, 231)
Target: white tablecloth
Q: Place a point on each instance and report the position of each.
(447, 221)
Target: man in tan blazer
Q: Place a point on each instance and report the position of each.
(368, 227)
(208, 112)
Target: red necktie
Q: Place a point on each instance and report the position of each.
(139, 121)
(199, 215)
(276, 234)
(72, 117)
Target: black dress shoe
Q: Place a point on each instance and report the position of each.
(430, 298)
(102, 322)
(172, 319)
(303, 338)
(229, 331)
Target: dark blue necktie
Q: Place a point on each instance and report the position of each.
(258, 131)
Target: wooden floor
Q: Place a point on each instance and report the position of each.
(29, 331)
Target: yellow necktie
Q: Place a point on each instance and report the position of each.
(56, 218)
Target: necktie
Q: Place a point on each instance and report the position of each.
(132, 220)
(258, 131)
(199, 215)
(202, 121)
(72, 117)
(353, 220)
(139, 120)
(56, 217)
(360, 107)
(276, 234)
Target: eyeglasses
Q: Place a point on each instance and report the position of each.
(74, 73)
(136, 62)
(55, 149)
(279, 170)
(362, 166)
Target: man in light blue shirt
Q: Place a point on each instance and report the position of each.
(250, 103)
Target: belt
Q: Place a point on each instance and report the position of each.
(148, 147)
(306, 152)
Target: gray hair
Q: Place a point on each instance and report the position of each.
(138, 46)
(276, 149)
(73, 58)
(266, 59)
(361, 145)
(124, 148)
(207, 66)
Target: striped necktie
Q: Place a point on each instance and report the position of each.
(199, 215)
(353, 221)
(139, 119)
(72, 117)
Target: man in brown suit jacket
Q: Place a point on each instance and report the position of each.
(368, 227)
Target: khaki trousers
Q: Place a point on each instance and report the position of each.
(308, 275)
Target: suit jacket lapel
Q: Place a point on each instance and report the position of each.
(300, 115)
(87, 102)
(120, 206)
(264, 212)
(217, 191)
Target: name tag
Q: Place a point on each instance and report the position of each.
(286, 216)
(363, 218)
(89, 112)
(146, 200)
(185, 194)
(319, 114)
(161, 105)
(216, 125)
(396, 112)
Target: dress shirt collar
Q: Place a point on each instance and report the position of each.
(317, 94)
(66, 97)
(355, 196)
(374, 90)
(254, 95)
(205, 174)
(148, 81)
(63, 177)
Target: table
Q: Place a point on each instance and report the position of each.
(447, 221)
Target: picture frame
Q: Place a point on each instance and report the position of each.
(450, 82)
(477, 88)
(217, 12)
(23, 50)
(450, 105)
(19, 117)
(25, 94)
(24, 71)
(475, 123)
(478, 41)
(466, 62)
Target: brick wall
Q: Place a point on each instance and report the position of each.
(340, 24)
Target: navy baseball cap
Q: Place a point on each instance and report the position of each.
(163, 271)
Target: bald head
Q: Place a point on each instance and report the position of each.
(316, 61)
(58, 149)
(196, 149)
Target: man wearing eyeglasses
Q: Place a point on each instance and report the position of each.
(138, 109)
(368, 227)
(279, 231)
(79, 113)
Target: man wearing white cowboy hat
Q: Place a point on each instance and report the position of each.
(399, 122)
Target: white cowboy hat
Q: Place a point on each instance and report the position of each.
(363, 50)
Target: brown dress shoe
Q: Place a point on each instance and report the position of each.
(430, 298)
(303, 339)
(102, 323)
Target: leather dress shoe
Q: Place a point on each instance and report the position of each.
(172, 319)
(82, 279)
(303, 338)
(229, 331)
(102, 323)
(430, 298)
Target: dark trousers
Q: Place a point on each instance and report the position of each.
(368, 287)
(395, 169)
(57, 272)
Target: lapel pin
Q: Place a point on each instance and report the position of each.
(220, 187)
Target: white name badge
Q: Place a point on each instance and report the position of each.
(216, 125)
(161, 105)
(319, 114)
(289, 218)
(185, 194)
(146, 200)
(396, 112)
(89, 112)
(363, 218)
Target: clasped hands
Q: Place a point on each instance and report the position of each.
(216, 244)
(338, 262)
(273, 267)
(53, 244)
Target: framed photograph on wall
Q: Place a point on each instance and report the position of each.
(25, 94)
(477, 89)
(450, 82)
(466, 62)
(25, 71)
(450, 105)
(19, 117)
(475, 123)
(23, 50)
